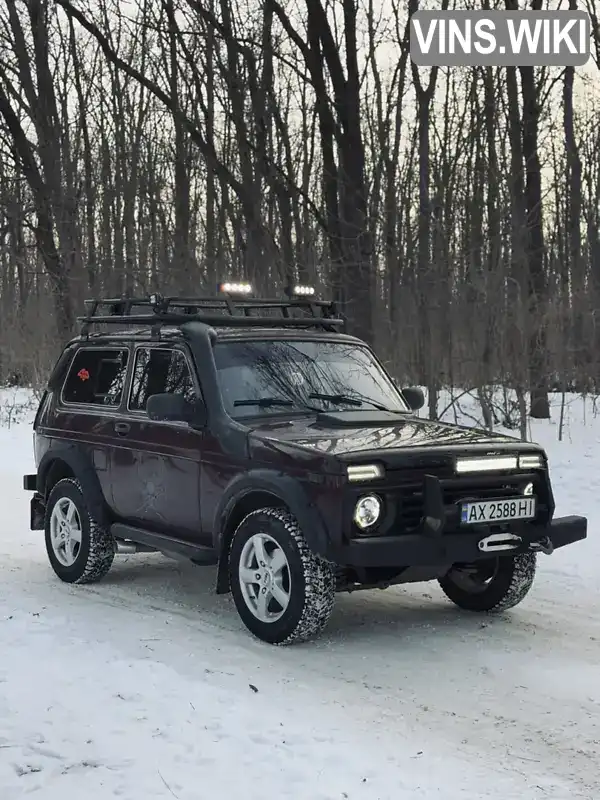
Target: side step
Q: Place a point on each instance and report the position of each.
(125, 534)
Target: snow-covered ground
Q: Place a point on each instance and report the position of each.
(148, 686)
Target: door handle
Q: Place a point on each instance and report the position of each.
(122, 428)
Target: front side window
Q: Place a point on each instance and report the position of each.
(157, 371)
(259, 377)
(96, 377)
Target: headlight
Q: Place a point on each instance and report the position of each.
(531, 462)
(365, 472)
(367, 511)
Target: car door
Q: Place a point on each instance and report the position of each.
(155, 466)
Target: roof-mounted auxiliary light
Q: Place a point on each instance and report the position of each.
(297, 290)
(158, 302)
(233, 287)
(303, 291)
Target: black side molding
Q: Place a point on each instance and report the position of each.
(30, 483)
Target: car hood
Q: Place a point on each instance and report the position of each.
(338, 436)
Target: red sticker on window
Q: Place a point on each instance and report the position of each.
(83, 375)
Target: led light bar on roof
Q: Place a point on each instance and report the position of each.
(235, 288)
(303, 291)
(485, 464)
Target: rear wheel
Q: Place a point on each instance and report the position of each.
(283, 592)
(79, 549)
(494, 584)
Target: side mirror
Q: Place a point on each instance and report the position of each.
(414, 397)
(169, 407)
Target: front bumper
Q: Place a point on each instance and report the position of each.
(440, 540)
(424, 549)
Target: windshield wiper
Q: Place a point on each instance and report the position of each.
(335, 398)
(264, 402)
(267, 402)
(340, 399)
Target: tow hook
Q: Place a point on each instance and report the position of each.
(500, 541)
(543, 546)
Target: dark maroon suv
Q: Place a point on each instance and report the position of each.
(257, 435)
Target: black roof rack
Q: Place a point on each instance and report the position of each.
(157, 311)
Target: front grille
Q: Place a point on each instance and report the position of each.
(411, 498)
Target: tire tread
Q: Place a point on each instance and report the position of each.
(525, 566)
(517, 587)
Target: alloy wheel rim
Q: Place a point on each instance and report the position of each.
(264, 576)
(65, 532)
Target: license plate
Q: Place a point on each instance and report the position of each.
(498, 510)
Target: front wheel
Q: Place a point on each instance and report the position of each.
(494, 584)
(283, 592)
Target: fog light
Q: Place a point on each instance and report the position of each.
(528, 490)
(367, 511)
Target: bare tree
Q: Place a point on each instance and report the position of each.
(455, 213)
(43, 165)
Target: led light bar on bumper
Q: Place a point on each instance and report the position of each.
(364, 472)
(498, 463)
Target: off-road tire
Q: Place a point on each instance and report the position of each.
(313, 588)
(97, 551)
(511, 583)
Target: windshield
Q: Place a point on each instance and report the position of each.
(274, 377)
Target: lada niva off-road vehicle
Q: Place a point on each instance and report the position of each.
(256, 435)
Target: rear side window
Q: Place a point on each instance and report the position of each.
(96, 377)
(156, 371)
